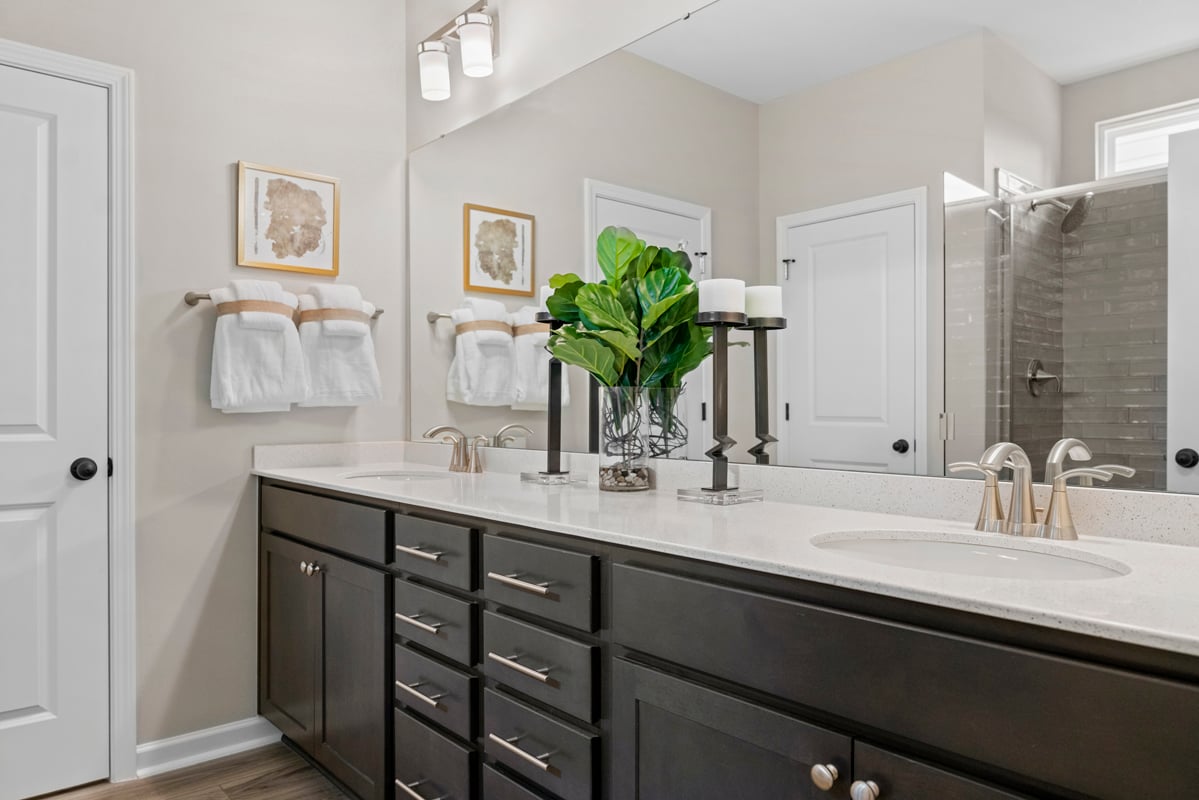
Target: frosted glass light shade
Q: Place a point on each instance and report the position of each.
(474, 33)
(434, 61)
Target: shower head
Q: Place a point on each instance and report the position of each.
(1076, 212)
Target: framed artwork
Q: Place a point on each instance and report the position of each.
(497, 251)
(287, 220)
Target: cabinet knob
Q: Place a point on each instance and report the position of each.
(824, 776)
(304, 567)
(864, 790)
(313, 569)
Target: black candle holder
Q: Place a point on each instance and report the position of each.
(720, 493)
(553, 475)
(761, 326)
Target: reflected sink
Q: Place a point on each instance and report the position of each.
(961, 554)
(394, 475)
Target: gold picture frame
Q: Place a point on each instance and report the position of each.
(284, 220)
(498, 251)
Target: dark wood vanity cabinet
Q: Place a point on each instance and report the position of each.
(458, 658)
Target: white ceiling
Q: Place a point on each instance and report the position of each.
(764, 49)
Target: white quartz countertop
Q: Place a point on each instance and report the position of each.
(1156, 604)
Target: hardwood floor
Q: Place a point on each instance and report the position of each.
(269, 773)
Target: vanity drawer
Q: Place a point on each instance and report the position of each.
(497, 786)
(430, 765)
(435, 691)
(333, 524)
(569, 769)
(550, 582)
(435, 550)
(435, 620)
(1025, 712)
(511, 649)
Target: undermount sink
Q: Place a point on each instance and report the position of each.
(394, 475)
(963, 554)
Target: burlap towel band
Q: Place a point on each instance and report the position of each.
(532, 327)
(483, 325)
(322, 314)
(269, 306)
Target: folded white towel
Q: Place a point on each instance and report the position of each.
(531, 381)
(343, 296)
(481, 373)
(256, 360)
(341, 365)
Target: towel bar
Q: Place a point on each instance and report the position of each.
(194, 298)
(433, 316)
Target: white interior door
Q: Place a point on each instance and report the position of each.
(661, 222)
(847, 363)
(53, 410)
(1182, 348)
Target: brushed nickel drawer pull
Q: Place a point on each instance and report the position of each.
(510, 663)
(410, 790)
(427, 555)
(414, 620)
(429, 699)
(537, 761)
(515, 582)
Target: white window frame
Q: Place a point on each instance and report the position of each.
(1108, 133)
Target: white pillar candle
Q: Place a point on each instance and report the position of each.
(723, 295)
(764, 301)
(546, 294)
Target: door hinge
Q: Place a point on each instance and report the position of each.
(786, 412)
(787, 262)
(703, 412)
(702, 255)
(947, 426)
(110, 466)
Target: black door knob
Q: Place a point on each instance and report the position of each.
(900, 446)
(83, 469)
(1186, 458)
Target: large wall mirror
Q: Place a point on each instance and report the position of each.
(971, 209)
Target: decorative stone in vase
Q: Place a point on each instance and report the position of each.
(624, 440)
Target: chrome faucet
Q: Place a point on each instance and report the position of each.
(502, 436)
(1022, 513)
(1075, 449)
(458, 457)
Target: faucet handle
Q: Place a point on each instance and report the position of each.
(1059, 483)
(475, 464)
(1059, 521)
(990, 514)
(970, 466)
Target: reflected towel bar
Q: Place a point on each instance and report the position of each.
(194, 298)
(433, 316)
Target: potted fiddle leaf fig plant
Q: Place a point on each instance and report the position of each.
(635, 332)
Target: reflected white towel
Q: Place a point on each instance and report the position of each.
(341, 363)
(531, 373)
(481, 373)
(256, 360)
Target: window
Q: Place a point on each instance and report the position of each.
(1141, 141)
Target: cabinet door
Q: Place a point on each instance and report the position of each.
(287, 639)
(353, 697)
(672, 739)
(898, 778)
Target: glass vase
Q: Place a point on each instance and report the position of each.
(624, 439)
(667, 429)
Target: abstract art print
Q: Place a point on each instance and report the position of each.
(287, 220)
(497, 251)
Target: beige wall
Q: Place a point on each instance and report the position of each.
(1022, 117)
(540, 41)
(305, 84)
(1158, 83)
(621, 120)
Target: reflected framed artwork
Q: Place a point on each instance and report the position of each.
(287, 220)
(497, 251)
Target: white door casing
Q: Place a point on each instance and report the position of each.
(852, 364)
(1182, 349)
(662, 222)
(53, 409)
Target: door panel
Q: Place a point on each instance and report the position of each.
(53, 409)
(287, 639)
(847, 362)
(1182, 352)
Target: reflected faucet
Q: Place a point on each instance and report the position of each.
(1022, 512)
(502, 436)
(1075, 449)
(458, 458)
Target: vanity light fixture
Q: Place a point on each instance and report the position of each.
(476, 32)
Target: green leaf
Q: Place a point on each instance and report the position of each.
(626, 345)
(645, 262)
(593, 356)
(659, 291)
(615, 249)
(697, 348)
(661, 358)
(676, 259)
(563, 279)
(600, 308)
(681, 313)
(561, 304)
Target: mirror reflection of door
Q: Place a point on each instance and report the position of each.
(661, 222)
(850, 364)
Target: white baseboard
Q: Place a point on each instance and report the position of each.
(164, 755)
